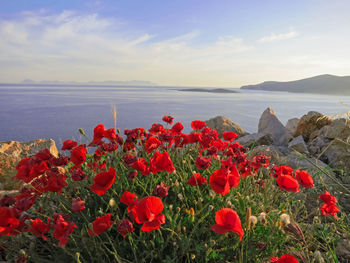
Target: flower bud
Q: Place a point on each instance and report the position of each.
(112, 202)
(210, 208)
(262, 218)
(253, 220)
(285, 219)
(181, 197)
(82, 132)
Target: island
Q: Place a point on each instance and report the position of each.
(218, 90)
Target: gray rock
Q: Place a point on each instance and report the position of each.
(340, 128)
(255, 139)
(269, 124)
(311, 122)
(292, 125)
(338, 155)
(298, 144)
(223, 124)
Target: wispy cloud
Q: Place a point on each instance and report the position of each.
(276, 37)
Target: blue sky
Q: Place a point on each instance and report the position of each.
(185, 42)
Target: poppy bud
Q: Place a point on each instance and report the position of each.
(193, 256)
(181, 197)
(82, 132)
(170, 207)
(112, 202)
(285, 219)
(262, 218)
(253, 220)
(210, 208)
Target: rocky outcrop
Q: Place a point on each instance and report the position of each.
(223, 124)
(292, 125)
(255, 139)
(310, 123)
(298, 144)
(11, 152)
(270, 124)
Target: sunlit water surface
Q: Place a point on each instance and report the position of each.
(28, 113)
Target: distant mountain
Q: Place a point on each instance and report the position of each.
(90, 83)
(322, 84)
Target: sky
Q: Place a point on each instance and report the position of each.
(213, 43)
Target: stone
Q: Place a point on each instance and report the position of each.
(337, 153)
(270, 124)
(223, 124)
(255, 139)
(11, 152)
(298, 144)
(311, 122)
(292, 125)
(340, 128)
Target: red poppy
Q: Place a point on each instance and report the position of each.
(227, 220)
(219, 181)
(177, 127)
(197, 179)
(156, 128)
(198, 125)
(26, 199)
(327, 197)
(69, 145)
(281, 170)
(8, 221)
(99, 133)
(62, 229)
(168, 119)
(52, 181)
(151, 144)
(233, 176)
(125, 227)
(128, 198)
(39, 228)
(229, 136)
(111, 135)
(78, 174)
(288, 183)
(100, 225)
(304, 178)
(161, 162)
(286, 258)
(203, 162)
(161, 190)
(103, 181)
(329, 207)
(78, 155)
(154, 224)
(78, 205)
(141, 165)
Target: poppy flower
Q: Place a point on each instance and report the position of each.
(39, 228)
(78, 205)
(156, 128)
(147, 211)
(330, 209)
(168, 119)
(198, 125)
(128, 198)
(288, 183)
(99, 133)
(327, 197)
(161, 162)
(203, 162)
(100, 225)
(286, 258)
(111, 135)
(125, 227)
(197, 179)
(219, 182)
(233, 176)
(8, 221)
(161, 190)
(103, 181)
(132, 175)
(281, 170)
(62, 229)
(141, 165)
(229, 136)
(177, 127)
(68, 145)
(304, 178)
(151, 144)
(78, 155)
(227, 220)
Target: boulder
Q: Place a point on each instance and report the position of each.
(343, 249)
(11, 152)
(311, 122)
(255, 139)
(292, 125)
(269, 124)
(223, 124)
(298, 144)
(337, 153)
(340, 128)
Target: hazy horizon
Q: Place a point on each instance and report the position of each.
(183, 43)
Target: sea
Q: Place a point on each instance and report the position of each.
(29, 113)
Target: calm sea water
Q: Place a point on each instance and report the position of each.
(28, 113)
